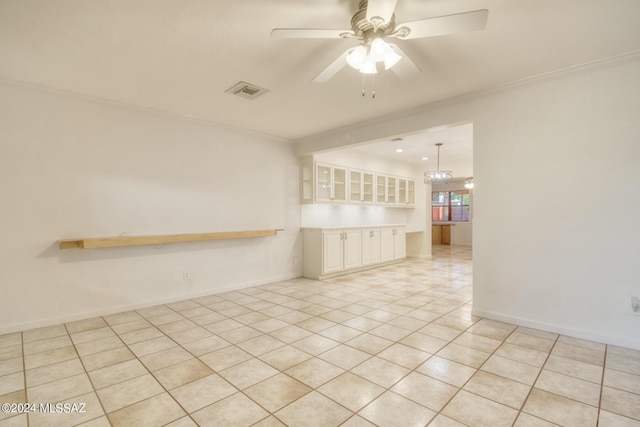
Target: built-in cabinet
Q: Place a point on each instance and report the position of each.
(406, 191)
(341, 250)
(327, 183)
(392, 187)
(393, 243)
(361, 186)
(381, 189)
(441, 234)
(330, 183)
(330, 252)
(371, 246)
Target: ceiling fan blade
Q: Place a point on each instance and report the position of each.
(380, 9)
(333, 68)
(448, 24)
(405, 68)
(308, 33)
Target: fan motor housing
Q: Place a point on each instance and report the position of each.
(362, 27)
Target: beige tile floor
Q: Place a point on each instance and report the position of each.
(394, 346)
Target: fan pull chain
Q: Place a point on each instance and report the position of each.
(373, 87)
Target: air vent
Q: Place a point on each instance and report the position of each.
(246, 90)
(396, 139)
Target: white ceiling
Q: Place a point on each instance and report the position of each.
(456, 149)
(180, 56)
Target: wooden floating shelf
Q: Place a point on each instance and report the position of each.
(114, 242)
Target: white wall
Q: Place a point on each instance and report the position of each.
(556, 240)
(556, 236)
(71, 168)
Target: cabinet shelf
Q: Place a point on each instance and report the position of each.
(121, 241)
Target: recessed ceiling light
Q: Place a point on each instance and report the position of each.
(398, 150)
(425, 158)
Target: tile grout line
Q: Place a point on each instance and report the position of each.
(414, 331)
(84, 368)
(352, 292)
(388, 389)
(534, 384)
(188, 414)
(280, 371)
(125, 345)
(355, 413)
(476, 371)
(604, 369)
(178, 343)
(24, 374)
(238, 390)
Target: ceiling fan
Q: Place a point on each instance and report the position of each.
(372, 23)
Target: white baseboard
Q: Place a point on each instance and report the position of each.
(66, 318)
(419, 256)
(559, 329)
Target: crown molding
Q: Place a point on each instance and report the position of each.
(561, 73)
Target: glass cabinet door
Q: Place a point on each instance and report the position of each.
(391, 190)
(411, 194)
(331, 183)
(381, 189)
(355, 186)
(402, 191)
(323, 183)
(339, 185)
(367, 187)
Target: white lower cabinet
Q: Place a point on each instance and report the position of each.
(331, 251)
(400, 243)
(352, 246)
(371, 246)
(341, 250)
(393, 243)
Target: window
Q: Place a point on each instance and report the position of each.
(440, 206)
(450, 205)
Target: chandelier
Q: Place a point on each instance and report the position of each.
(365, 56)
(437, 176)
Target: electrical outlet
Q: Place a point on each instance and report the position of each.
(635, 305)
(186, 275)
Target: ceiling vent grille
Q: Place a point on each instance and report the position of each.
(246, 90)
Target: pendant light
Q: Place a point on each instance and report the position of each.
(438, 176)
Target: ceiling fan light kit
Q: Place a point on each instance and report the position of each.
(371, 24)
(366, 56)
(468, 184)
